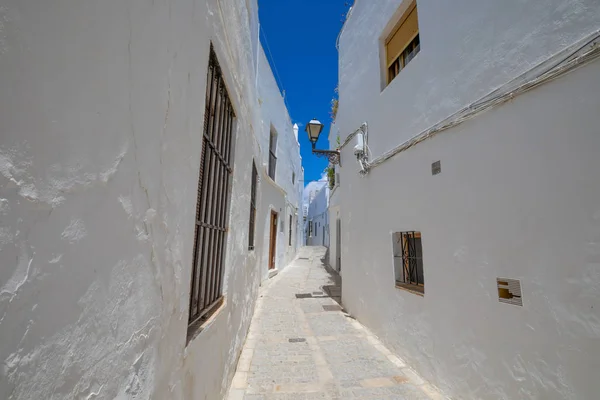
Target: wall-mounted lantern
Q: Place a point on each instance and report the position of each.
(314, 128)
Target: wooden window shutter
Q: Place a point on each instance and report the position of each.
(407, 29)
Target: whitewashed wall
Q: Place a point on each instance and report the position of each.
(284, 194)
(517, 198)
(101, 117)
(334, 209)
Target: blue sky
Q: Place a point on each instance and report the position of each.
(300, 44)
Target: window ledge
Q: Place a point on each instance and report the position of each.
(414, 289)
(274, 184)
(332, 191)
(195, 329)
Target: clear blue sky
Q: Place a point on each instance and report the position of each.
(300, 44)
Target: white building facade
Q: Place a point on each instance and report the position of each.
(470, 238)
(282, 174)
(334, 210)
(129, 136)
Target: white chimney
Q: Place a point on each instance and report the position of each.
(296, 131)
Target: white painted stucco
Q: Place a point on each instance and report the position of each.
(101, 118)
(284, 194)
(334, 208)
(518, 197)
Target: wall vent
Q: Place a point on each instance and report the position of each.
(436, 168)
(509, 291)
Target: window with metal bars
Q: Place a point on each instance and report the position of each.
(212, 207)
(408, 261)
(290, 234)
(272, 152)
(252, 207)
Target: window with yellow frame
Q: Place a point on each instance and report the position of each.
(403, 44)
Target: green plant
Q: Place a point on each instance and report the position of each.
(330, 176)
(335, 103)
(334, 108)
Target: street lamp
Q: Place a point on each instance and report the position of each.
(314, 128)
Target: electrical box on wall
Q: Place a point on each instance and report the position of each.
(359, 149)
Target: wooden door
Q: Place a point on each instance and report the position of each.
(273, 241)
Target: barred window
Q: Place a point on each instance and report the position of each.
(252, 207)
(212, 207)
(408, 261)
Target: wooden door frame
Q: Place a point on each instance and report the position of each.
(273, 240)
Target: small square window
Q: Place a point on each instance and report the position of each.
(408, 261)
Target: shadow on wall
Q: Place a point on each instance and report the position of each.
(333, 288)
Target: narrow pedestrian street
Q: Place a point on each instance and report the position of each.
(302, 345)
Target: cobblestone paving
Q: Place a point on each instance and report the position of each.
(298, 350)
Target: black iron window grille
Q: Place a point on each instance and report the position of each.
(272, 157)
(252, 207)
(212, 207)
(410, 252)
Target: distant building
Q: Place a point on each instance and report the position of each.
(318, 219)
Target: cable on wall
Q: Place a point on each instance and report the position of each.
(565, 61)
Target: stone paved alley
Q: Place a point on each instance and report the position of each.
(301, 345)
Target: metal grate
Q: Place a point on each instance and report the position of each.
(213, 196)
(509, 291)
(412, 259)
(252, 207)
